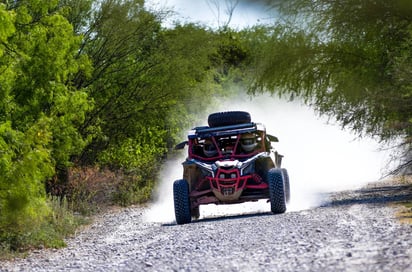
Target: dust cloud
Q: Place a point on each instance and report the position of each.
(319, 157)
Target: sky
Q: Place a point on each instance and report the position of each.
(246, 13)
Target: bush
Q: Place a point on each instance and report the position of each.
(50, 233)
(132, 190)
(140, 163)
(91, 188)
(24, 163)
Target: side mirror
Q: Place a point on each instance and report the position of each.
(272, 138)
(181, 145)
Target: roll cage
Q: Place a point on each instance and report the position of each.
(226, 140)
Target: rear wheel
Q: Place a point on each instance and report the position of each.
(181, 201)
(287, 184)
(276, 191)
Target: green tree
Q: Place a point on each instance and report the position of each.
(144, 81)
(144, 84)
(122, 42)
(349, 59)
(148, 83)
(39, 111)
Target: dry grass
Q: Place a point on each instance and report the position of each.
(405, 207)
(90, 189)
(406, 180)
(94, 189)
(405, 213)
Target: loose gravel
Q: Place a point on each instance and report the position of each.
(351, 231)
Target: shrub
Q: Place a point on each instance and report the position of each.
(91, 188)
(24, 163)
(50, 233)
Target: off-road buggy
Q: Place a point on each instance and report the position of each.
(230, 161)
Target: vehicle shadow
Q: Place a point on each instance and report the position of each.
(224, 218)
(375, 195)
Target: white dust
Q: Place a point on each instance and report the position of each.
(319, 157)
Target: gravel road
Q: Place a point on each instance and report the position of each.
(350, 231)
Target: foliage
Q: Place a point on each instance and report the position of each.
(349, 59)
(39, 111)
(60, 223)
(145, 82)
(133, 190)
(122, 42)
(140, 160)
(90, 189)
(25, 164)
(77, 12)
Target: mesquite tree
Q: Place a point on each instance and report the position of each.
(350, 59)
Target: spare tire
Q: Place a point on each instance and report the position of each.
(227, 118)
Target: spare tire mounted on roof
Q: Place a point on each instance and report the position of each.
(227, 118)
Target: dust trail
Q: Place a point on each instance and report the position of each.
(319, 157)
(162, 210)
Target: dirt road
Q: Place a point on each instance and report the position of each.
(351, 231)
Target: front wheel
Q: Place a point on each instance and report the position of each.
(276, 191)
(287, 184)
(181, 201)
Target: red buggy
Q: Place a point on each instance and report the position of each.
(230, 161)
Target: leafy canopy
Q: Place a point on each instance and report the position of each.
(39, 111)
(349, 59)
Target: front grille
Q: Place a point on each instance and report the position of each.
(227, 182)
(226, 191)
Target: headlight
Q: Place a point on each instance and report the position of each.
(206, 172)
(248, 169)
